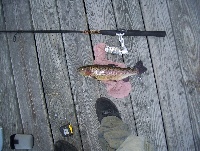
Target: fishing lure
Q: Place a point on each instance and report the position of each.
(115, 50)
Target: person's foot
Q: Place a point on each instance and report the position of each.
(62, 145)
(105, 107)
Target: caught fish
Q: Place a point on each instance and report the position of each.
(111, 72)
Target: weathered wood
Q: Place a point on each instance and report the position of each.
(172, 81)
(101, 16)
(144, 96)
(168, 76)
(54, 71)
(185, 17)
(27, 76)
(10, 118)
(78, 52)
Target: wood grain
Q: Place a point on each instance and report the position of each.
(27, 75)
(10, 118)
(168, 76)
(169, 89)
(144, 95)
(101, 16)
(54, 71)
(185, 22)
(78, 53)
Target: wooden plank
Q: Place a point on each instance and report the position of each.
(168, 76)
(27, 76)
(54, 71)
(78, 52)
(185, 17)
(101, 16)
(10, 118)
(144, 96)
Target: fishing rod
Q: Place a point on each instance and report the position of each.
(114, 50)
(102, 32)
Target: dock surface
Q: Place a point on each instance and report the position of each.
(41, 90)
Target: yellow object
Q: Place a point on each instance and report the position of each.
(71, 128)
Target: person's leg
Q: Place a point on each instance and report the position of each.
(112, 128)
(136, 143)
(113, 131)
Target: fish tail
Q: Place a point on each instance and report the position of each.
(140, 67)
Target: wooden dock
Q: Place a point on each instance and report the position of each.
(40, 89)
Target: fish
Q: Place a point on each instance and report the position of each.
(111, 72)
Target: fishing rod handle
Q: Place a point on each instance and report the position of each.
(133, 33)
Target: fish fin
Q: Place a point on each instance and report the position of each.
(112, 65)
(126, 79)
(140, 67)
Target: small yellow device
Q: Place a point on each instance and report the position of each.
(66, 130)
